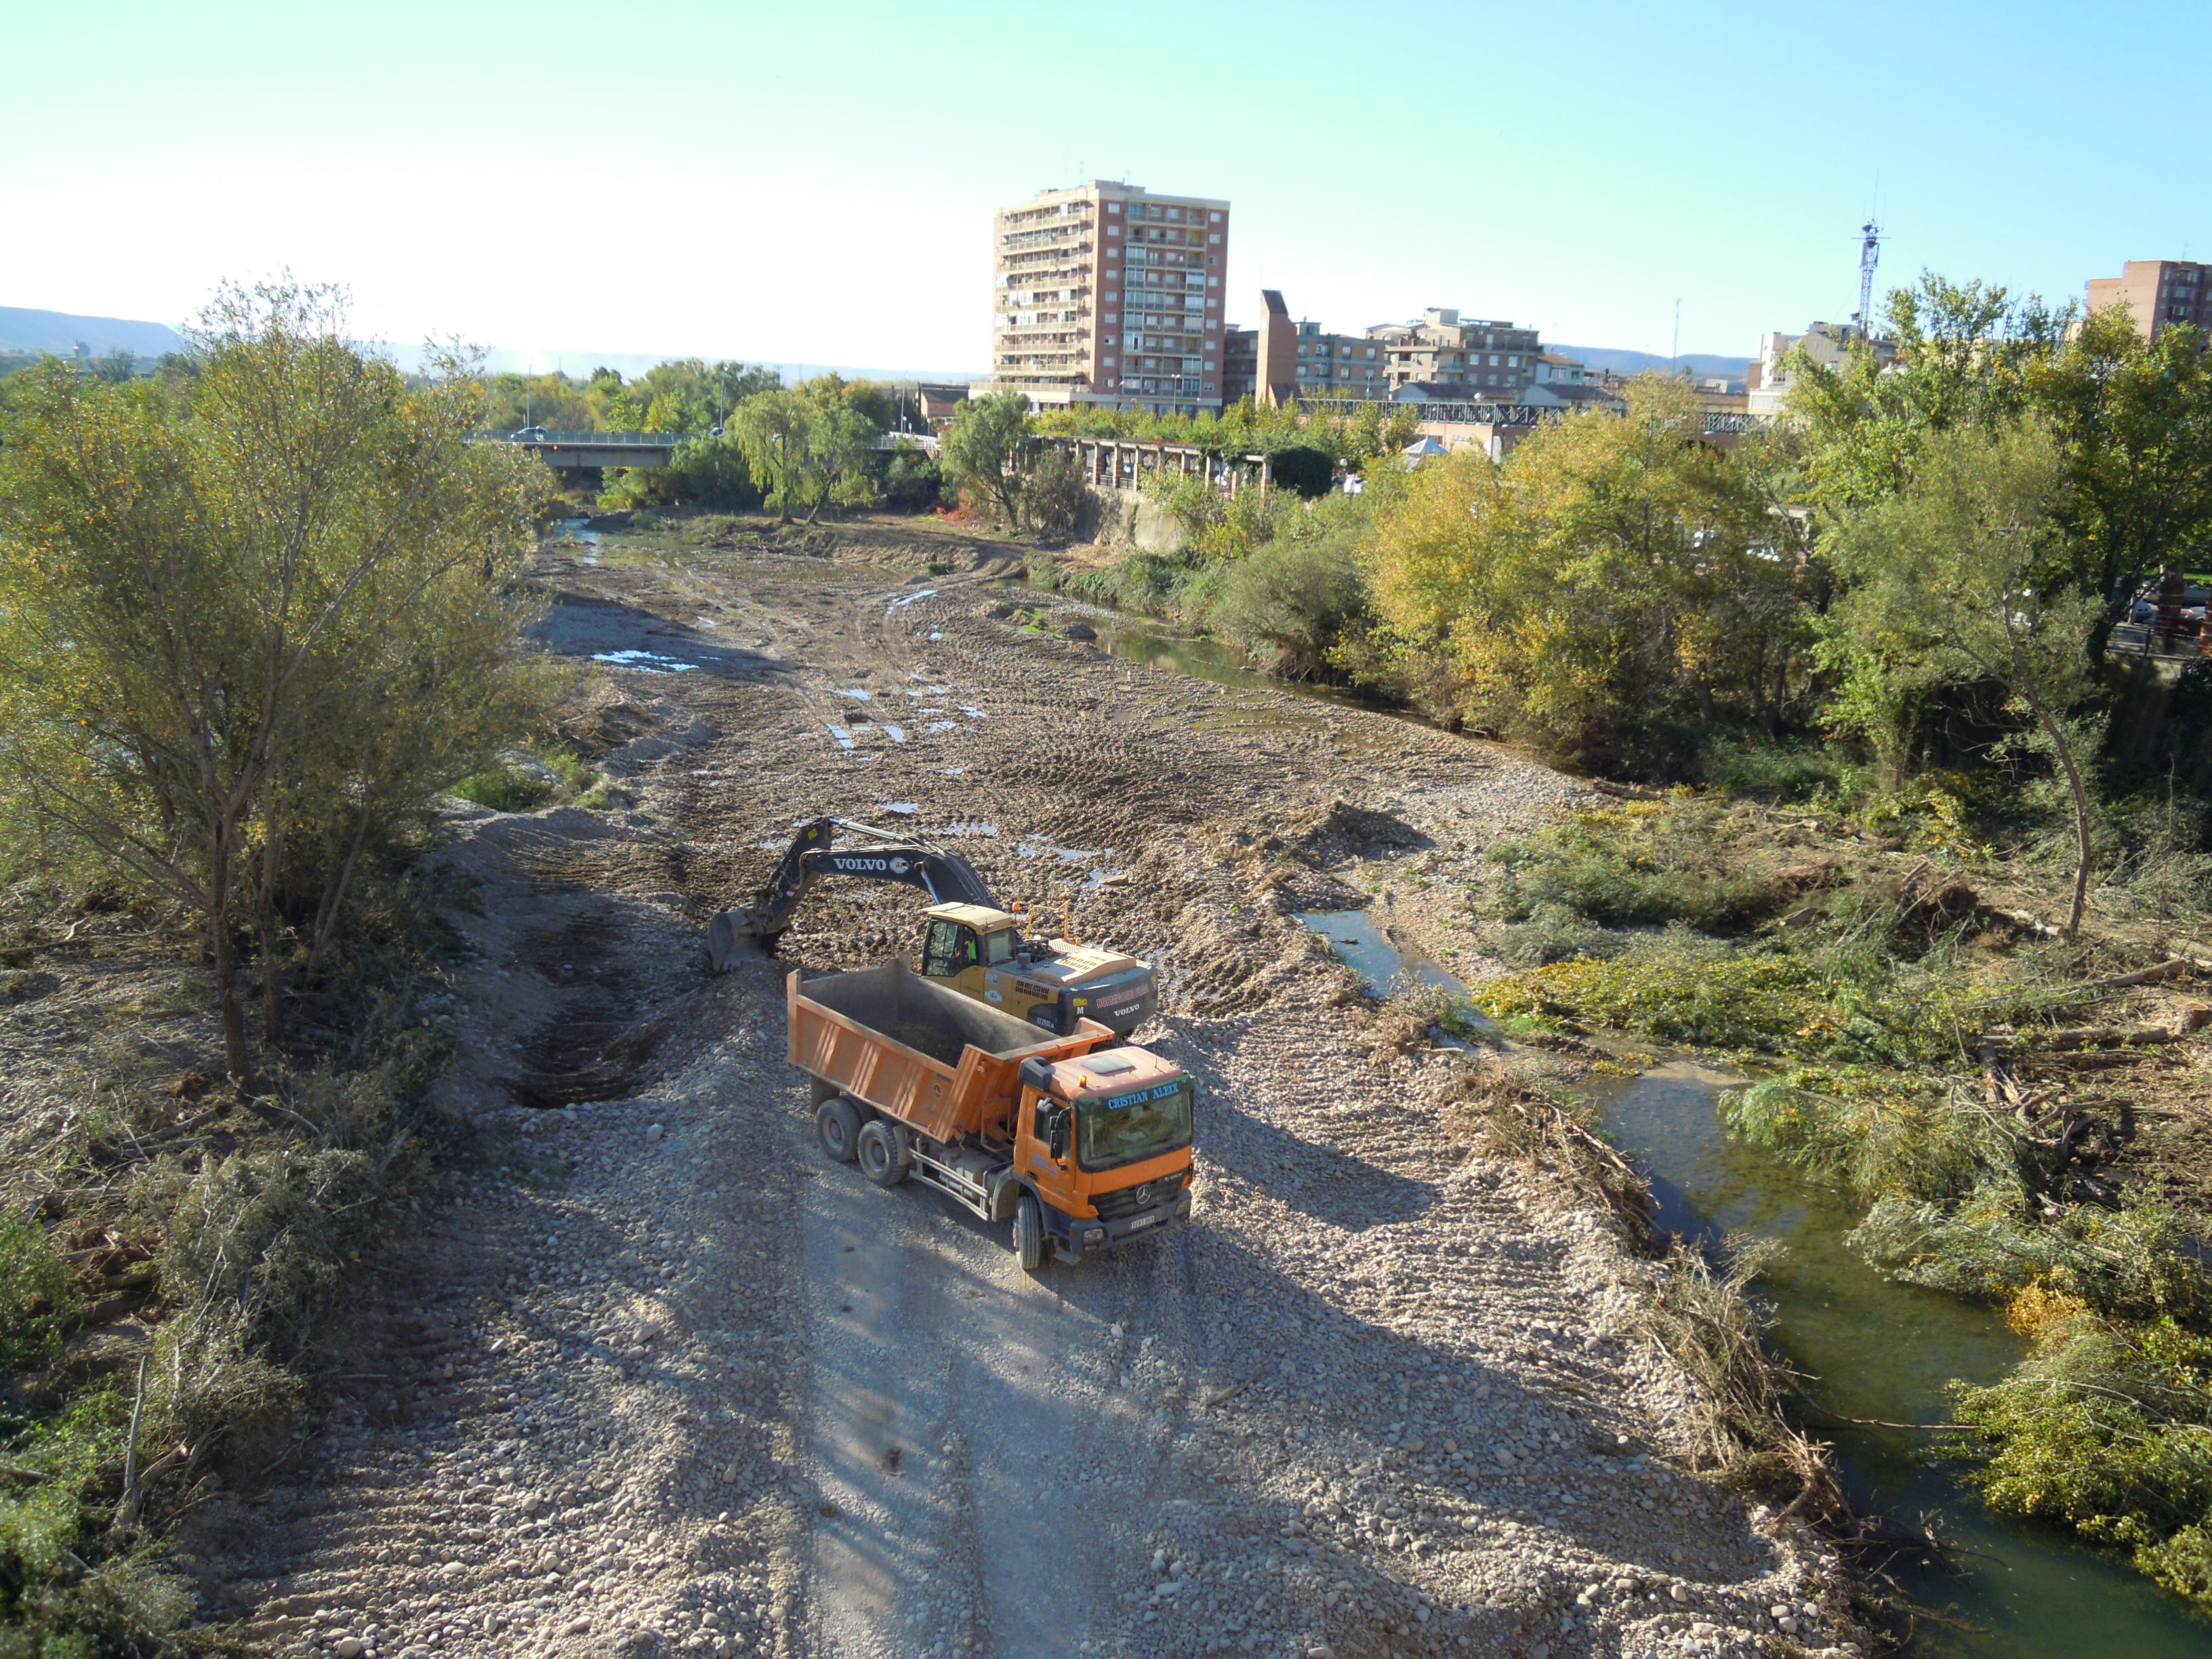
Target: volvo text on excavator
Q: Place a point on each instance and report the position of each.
(969, 940)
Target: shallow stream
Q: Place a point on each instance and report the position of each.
(1873, 1349)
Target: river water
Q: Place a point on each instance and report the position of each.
(1872, 1349)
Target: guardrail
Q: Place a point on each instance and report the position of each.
(532, 436)
(2190, 643)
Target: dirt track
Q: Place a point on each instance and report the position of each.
(661, 1378)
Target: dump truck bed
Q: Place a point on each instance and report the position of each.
(943, 1063)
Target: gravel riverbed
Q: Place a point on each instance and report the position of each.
(653, 1377)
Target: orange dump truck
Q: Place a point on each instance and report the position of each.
(1078, 1146)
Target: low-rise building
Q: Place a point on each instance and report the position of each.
(1494, 359)
(1557, 368)
(1767, 382)
(2158, 294)
(1282, 358)
(1474, 359)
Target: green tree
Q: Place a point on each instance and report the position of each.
(1960, 576)
(554, 402)
(1615, 576)
(1962, 356)
(774, 430)
(987, 449)
(233, 628)
(2133, 419)
(688, 395)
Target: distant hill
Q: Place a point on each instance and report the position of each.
(579, 365)
(1702, 365)
(61, 332)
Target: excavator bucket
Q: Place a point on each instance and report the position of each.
(734, 937)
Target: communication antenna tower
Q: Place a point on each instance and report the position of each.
(1869, 257)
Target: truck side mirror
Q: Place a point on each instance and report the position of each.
(1058, 1143)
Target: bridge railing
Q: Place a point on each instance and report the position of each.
(594, 439)
(1455, 412)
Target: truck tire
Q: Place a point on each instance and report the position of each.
(1029, 1233)
(883, 1153)
(837, 1126)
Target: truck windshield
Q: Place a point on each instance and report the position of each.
(1119, 1129)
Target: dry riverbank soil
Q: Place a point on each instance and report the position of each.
(660, 1378)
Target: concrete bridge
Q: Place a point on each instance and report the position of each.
(574, 451)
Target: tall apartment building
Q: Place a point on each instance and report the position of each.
(1492, 361)
(2159, 293)
(1108, 294)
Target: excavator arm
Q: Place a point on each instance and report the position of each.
(875, 855)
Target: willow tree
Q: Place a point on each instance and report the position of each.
(245, 622)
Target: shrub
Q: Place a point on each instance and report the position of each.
(526, 780)
(504, 789)
(1292, 600)
(1309, 472)
(1783, 771)
(1631, 866)
(1553, 932)
(705, 471)
(1874, 1133)
(2139, 1262)
(2103, 1429)
(35, 1303)
(1052, 494)
(911, 482)
(63, 1596)
(1675, 988)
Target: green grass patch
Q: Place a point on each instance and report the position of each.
(1635, 866)
(1675, 990)
(524, 781)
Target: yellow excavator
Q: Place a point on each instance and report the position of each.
(969, 941)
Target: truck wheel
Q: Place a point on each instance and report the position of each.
(883, 1154)
(838, 1127)
(1029, 1233)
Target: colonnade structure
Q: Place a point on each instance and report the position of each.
(1123, 463)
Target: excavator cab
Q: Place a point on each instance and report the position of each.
(1055, 984)
(974, 938)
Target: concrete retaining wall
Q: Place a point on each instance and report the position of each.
(1124, 517)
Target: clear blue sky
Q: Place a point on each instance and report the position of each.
(814, 181)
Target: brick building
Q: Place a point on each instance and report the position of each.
(1491, 360)
(1106, 294)
(2158, 293)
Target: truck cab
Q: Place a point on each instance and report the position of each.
(1104, 1139)
(1052, 983)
